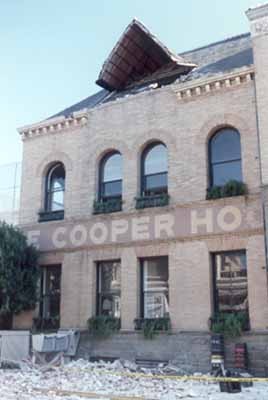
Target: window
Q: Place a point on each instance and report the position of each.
(50, 296)
(230, 282)
(109, 288)
(154, 287)
(154, 170)
(225, 157)
(55, 186)
(111, 176)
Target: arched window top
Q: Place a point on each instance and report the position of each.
(225, 145)
(56, 177)
(112, 167)
(111, 171)
(225, 156)
(55, 186)
(155, 159)
(154, 169)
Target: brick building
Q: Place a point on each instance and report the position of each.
(148, 199)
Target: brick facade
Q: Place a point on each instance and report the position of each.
(184, 124)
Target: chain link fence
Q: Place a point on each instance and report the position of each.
(10, 183)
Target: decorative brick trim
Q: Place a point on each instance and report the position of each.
(194, 89)
(53, 125)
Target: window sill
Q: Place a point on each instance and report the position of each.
(46, 216)
(108, 206)
(158, 200)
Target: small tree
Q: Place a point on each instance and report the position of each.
(19, 272)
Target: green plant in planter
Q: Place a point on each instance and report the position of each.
(230, 324)
(234, 188)
(103, 326)
(214, 193)
(230, 189)
(152, 326)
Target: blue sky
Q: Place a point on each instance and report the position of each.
(52, 50)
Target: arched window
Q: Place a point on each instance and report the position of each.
(154, 169)
(225, 157)
(55, 187)
(111, 176)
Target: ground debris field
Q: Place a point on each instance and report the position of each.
(119, 380)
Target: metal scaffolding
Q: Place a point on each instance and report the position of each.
(10, 183)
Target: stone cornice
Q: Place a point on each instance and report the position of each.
(198, 87)
(54, 125)
(184, 91)
(257, 12)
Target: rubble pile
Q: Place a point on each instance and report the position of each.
(111, 379)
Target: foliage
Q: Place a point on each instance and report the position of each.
(158, 200)
(151, 326)
(46, 324)
(230, 324)
(19, 272)
(108, 206)
(230, 189)
(103, 326)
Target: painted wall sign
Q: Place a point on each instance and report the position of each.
(180, 222)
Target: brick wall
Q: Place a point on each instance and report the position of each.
(128, 125)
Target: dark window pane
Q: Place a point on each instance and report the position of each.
(51, 292)
(112, 168)
(110, 305)
(57, 178)
(222, 173)
(111, 189)
(110, 273)
(225, 145)
(55, 188)
(155, 286)
(231, 281)
(155, 181)
(57, 201)
(109, 287)
(156, 160)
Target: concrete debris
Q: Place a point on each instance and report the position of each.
(107, 380)
(131, 366)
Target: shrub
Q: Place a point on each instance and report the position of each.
(230, 324)
(230, 189)
(103, 326)
(151, 326)
(19, 272)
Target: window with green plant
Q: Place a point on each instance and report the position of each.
(225, 157)
(54, 194)
(154, 169)
(110, 184)
(230, 291)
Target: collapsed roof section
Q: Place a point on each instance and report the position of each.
(137, 57)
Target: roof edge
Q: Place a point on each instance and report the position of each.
(229, 39)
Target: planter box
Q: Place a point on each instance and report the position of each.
(159, 200)
(46, 216)
(108, 206)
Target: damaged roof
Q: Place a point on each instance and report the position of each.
(138, 54)
(217, 58)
